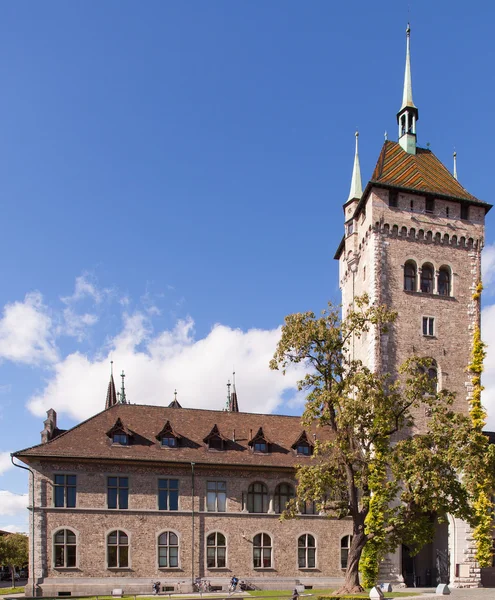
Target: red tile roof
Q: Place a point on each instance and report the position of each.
(88, 440)
(422, 172)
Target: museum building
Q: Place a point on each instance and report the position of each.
(139, 493)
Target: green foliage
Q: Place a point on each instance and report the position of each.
(14, 590)
(14, 551)
(391, 476)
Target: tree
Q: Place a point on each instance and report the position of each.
(14, 552)
(377, 467)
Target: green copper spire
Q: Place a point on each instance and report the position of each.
(121, 394)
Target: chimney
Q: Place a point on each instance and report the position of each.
(50, 424)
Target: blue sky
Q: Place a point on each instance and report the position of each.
(172, 176)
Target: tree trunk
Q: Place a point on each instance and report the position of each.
(351, 581)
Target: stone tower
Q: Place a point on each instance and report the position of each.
(413, 240)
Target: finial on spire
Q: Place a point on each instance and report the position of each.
(455, 164)
(407, 98)
(121, 394)
(111, 393)
(356, 190)
(385, 135)
(175, 402)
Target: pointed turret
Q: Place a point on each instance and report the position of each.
(356, 190)
(455, 164)
(175, 402)
(111, 393)
(233, 404)
(408, 113)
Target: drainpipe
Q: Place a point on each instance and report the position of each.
(32, 520)
(192, 524)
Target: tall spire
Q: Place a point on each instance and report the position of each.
(356, 190)
(408, 113)
(111, 393)
(455, 164)
(121, 394)
(407, 98)
(233, 404)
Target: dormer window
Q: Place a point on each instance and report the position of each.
(167, 437)
(260, 447)
(169, 441)
(303, 449)
(122, 439)
(302, 445)
(215, 440)
(260, 443)
(120, 434)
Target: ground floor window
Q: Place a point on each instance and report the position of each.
(262, 551)
(168, 550)
(306, 552)
(64, 543)
(117, 550)
(216, 550)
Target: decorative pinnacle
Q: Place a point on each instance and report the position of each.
(121, 394)
(407, 98)
(356, 190)
(455, 164)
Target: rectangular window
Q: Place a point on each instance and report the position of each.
(430, 205)
(65, 491)
(216, 496)
(446, 211)
(393, 198)
(412, 205)
(350, 228)
(464, 212)
(168, 494)
(118, 492)
(428, 326)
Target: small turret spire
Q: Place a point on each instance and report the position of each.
(233, 404)
(408, 113)
(111, 393)
(356, 190)
(121, 394)
(455, 164)
(175, 402)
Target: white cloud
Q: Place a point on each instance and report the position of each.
(86, 287)
(488, 265)
(26, 332)
(156, 364)
(5, 462)
(77, 325)
(13, 528)
(12, 504)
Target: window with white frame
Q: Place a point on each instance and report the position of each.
(345, 545)
(428, 326)
(117, 550)
(64, 549)
(216, 550)
(262, 551)
(216, 496)
(168, 550)
(306, 551)
(168, 494)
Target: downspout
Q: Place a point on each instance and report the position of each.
(32, 520)
(192, 524)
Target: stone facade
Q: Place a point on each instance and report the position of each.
(92, 521)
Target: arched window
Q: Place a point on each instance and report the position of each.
(262, 551)
(257, 500)
(432, 372)
(283, 493)
(65, 549)
(216, 550)
(345, 545)
(444, 281)
(427, 279)
(117, 550)
(410, 276)
(306, 552)
(168, 550)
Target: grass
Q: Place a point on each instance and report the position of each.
(14, 590)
